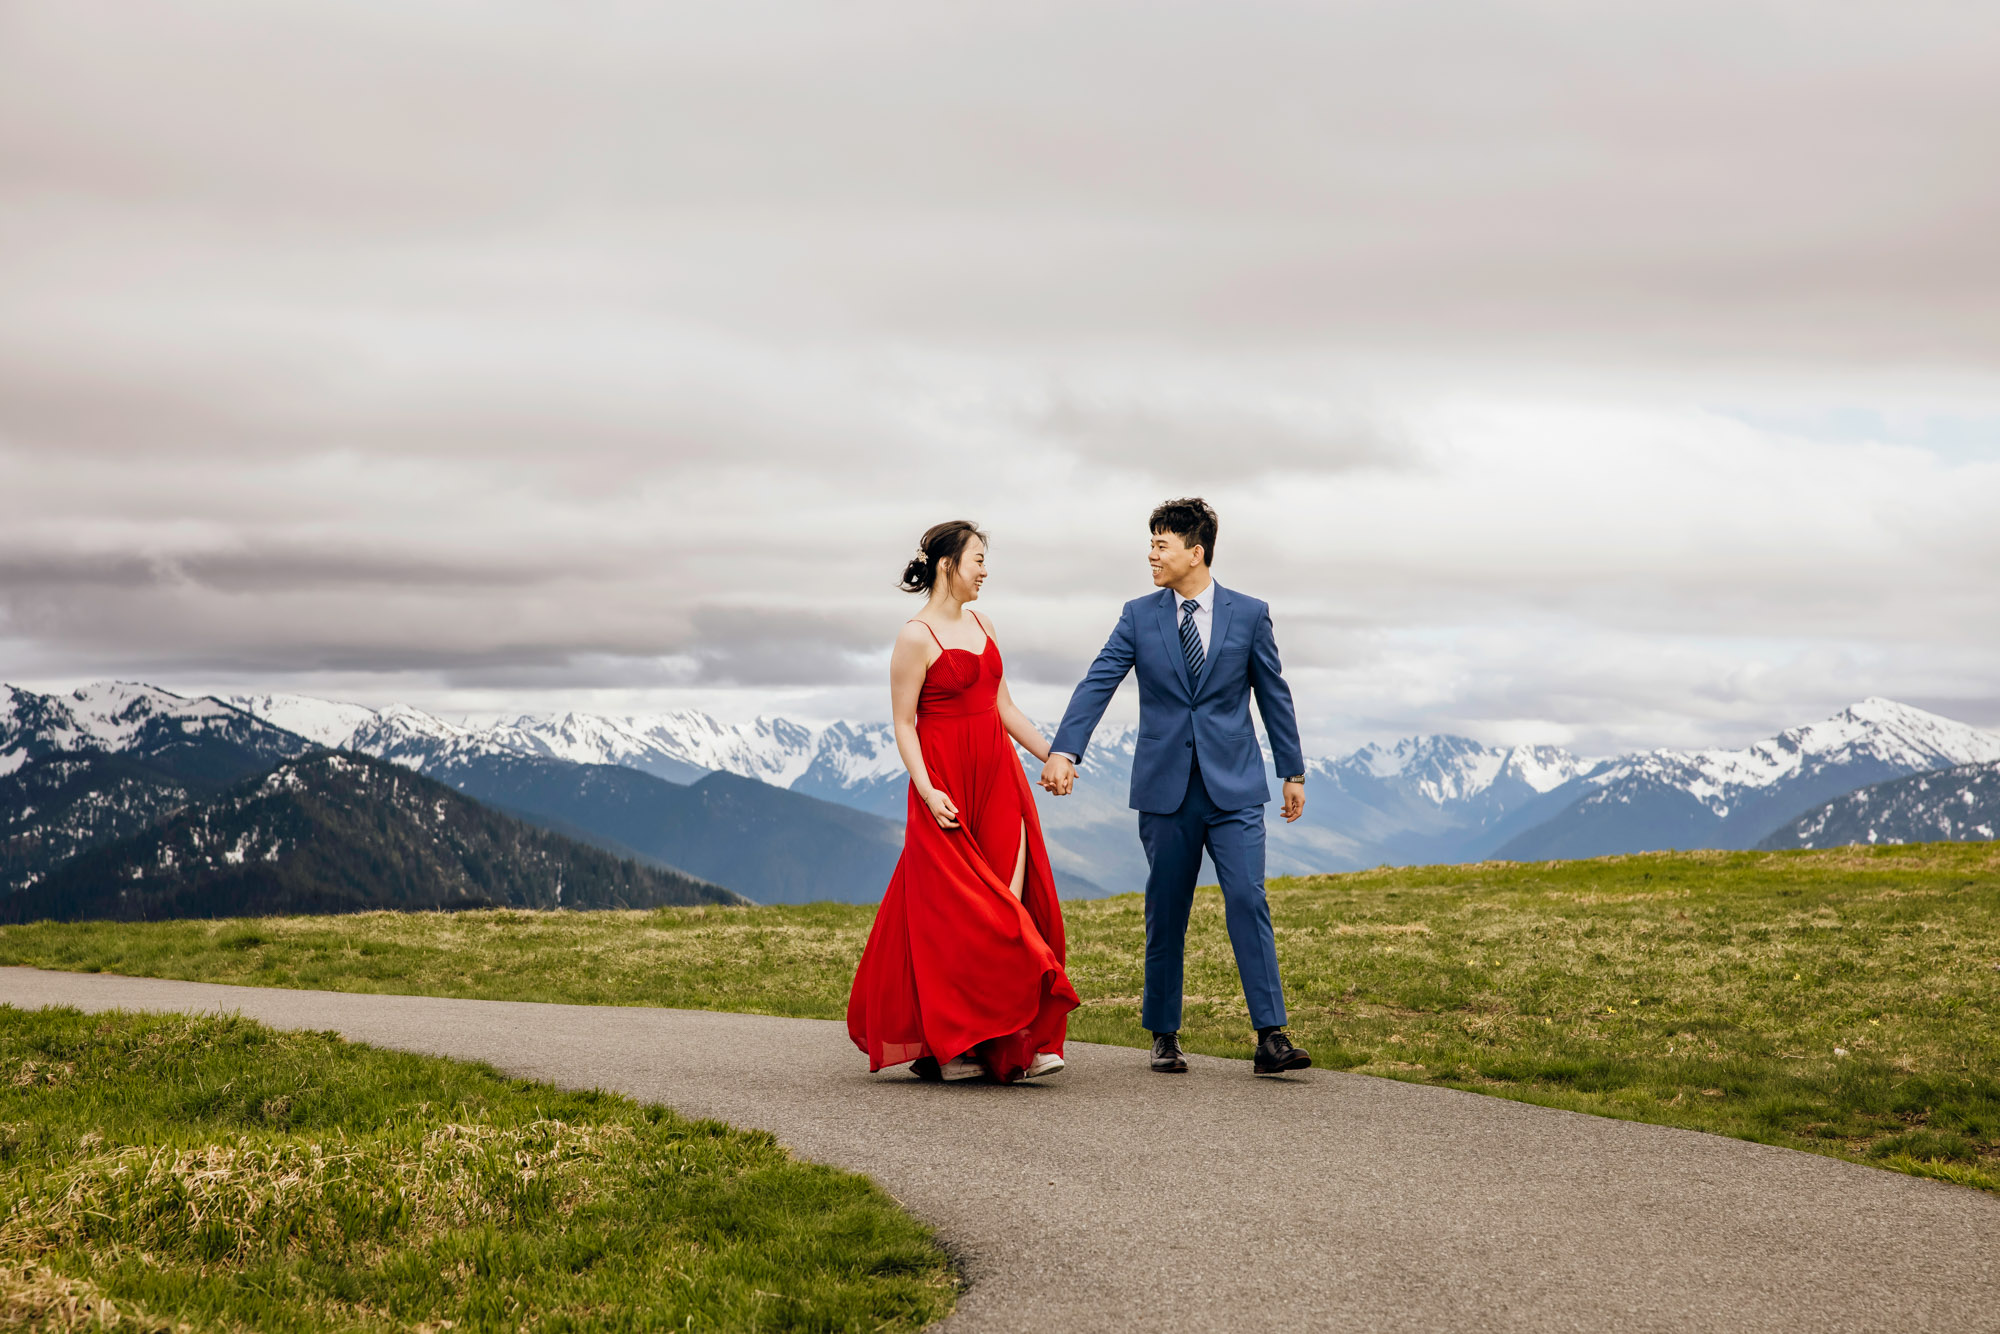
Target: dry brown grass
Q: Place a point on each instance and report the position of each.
(37, 1300)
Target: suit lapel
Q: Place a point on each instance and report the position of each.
(1218, 627)
(1170, 636)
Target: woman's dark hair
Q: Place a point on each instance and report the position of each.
(1192, 521)
(942, 542)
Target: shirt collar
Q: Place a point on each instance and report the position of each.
(1206, 598)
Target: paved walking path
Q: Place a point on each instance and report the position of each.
(1114, 1199)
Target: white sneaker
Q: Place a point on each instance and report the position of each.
(1046, 1063)
(961, 1067)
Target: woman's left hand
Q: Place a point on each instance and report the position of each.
(943, 809)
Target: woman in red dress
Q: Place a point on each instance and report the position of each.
(963, 973)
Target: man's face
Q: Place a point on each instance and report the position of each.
(1172, 559)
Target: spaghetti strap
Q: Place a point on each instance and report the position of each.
(976, 621)
(926, 625)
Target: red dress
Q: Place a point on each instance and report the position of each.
(955, 963)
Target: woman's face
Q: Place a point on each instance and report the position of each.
(968, 572)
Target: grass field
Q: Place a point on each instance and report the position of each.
(1843, 1002)
(161, 1171)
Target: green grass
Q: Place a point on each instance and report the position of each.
(1843, 1002)
(162, 1172)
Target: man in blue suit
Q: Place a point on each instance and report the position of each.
(1198, 777)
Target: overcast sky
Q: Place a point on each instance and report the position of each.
(1606, 374)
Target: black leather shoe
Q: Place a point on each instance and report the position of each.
(926, 1069)
(1276, 1054)
(1167, 1058)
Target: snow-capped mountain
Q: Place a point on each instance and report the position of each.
(856, 764)
(771, 750)
(1434, 798)
(123, 717)
(655, 746)
(1447, 769)
(1873, 732)
(106, 715)
(1960, 805)
(766, 838)
(681, 746)
(410, 737)
(324, 721)
(99, 763)
(104, 762)
(1734, 798)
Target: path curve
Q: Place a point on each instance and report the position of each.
(1112, 1199)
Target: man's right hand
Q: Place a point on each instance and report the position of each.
(1058, 775)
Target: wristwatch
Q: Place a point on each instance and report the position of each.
(1296, 778)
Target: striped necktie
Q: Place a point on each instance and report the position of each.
(1191, 639)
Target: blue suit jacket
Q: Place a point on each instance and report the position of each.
(1179, 719)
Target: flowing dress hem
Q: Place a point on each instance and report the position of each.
(1046, 1030)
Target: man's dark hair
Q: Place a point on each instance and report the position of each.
(1191, 519)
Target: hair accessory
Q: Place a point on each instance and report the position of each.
(923, 557)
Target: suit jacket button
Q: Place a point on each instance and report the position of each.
(1190, 745)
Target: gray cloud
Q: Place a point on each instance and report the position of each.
(276, 569)
(1763, 180)
(620, 354)
(32, 573)
(1161, 433)
(783, 646)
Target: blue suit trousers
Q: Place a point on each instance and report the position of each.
(1174, 844)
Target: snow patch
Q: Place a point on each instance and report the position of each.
(327, 722)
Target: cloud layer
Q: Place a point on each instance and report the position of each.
(614, 357)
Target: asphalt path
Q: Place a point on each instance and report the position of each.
(1110, 1198)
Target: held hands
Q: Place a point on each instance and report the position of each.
(1295, 801)
(943, 809)
(1058, 775)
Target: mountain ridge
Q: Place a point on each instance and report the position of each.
(1425, 798)
(1667, 799)
(334, 831)
(196, 737)
(1956, 805)
(1091, 833)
